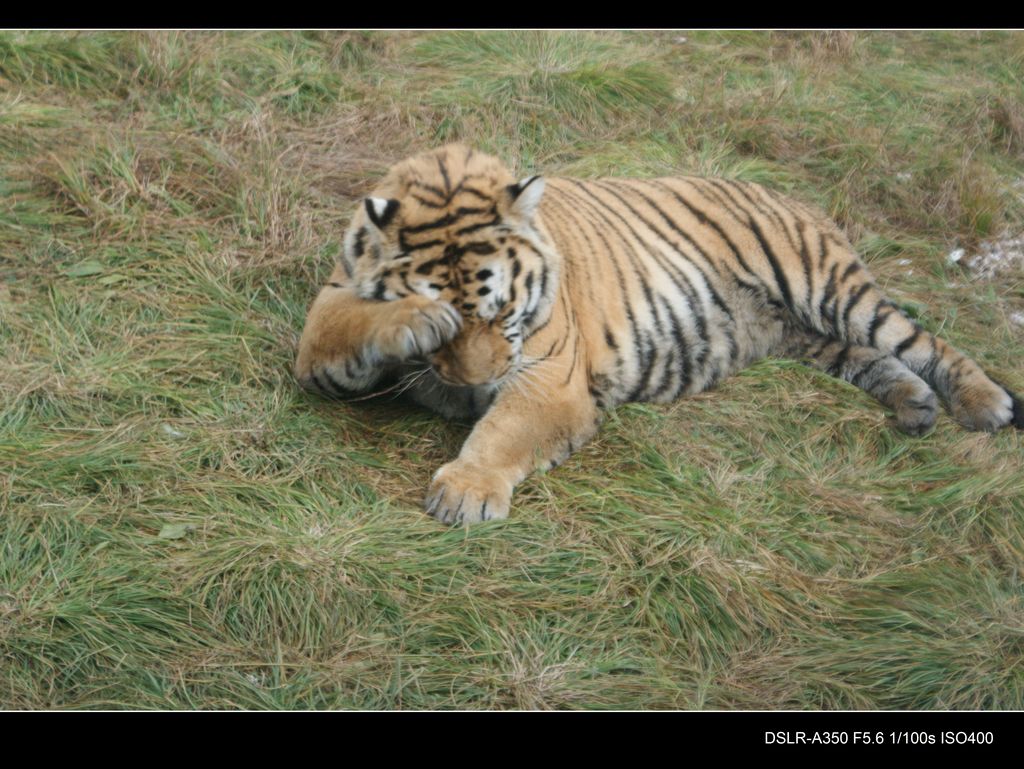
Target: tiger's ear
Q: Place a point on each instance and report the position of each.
(381, 211)
(524, 196)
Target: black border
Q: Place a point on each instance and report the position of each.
(476, 15)
(674, 736)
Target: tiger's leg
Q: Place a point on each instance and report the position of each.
(521, 432)
(854, 310)
(875, 372)
(349, 342)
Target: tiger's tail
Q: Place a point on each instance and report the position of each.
(862, 315)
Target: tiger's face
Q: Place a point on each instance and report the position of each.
(456, 227)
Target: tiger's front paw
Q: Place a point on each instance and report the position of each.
(416, 326)
(463, 494)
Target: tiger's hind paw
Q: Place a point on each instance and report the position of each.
(985, 406)
(464, 494)
(916, 413)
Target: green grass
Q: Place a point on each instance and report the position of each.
(182, 527)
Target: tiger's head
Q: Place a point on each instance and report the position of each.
(454, 225)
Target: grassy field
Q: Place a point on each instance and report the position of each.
(182, 527)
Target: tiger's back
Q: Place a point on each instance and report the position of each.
(661, 284)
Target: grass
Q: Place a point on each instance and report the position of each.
(182, 527)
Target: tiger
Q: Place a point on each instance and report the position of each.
(533, 306)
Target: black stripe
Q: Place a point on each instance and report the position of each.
(565, 336)
(483, 248)
(544, 272)
(444, 221)
(429, 203)
(695, 301)
(430, 188)
(404, 275)
(822, 251)
(533, 299)
(667, 372)
(826, 296)
(731, 188)
(903, 346)
(609, 339)
(332, 388)
(931, 373)
(770, 205)
(339, 388)
(566, 229)
(715, 297)
(428, 266)
(718, 192)
(700, 216)
(620, 283)
(858, 295)
(599, 226)
(805, 259)
(774, 203)
(780, 277)
(761, 205)
(686, 372)
(324, 390)
(879, 320)
(444, 175)
(408, 247)
(704, 218)
(858, 378)
(359, 245)
(647, 358)
(641, 341)
(672, 271)
(475, 192)
(635, 256)
(575, 355)
(836, 368)
(474, 227)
